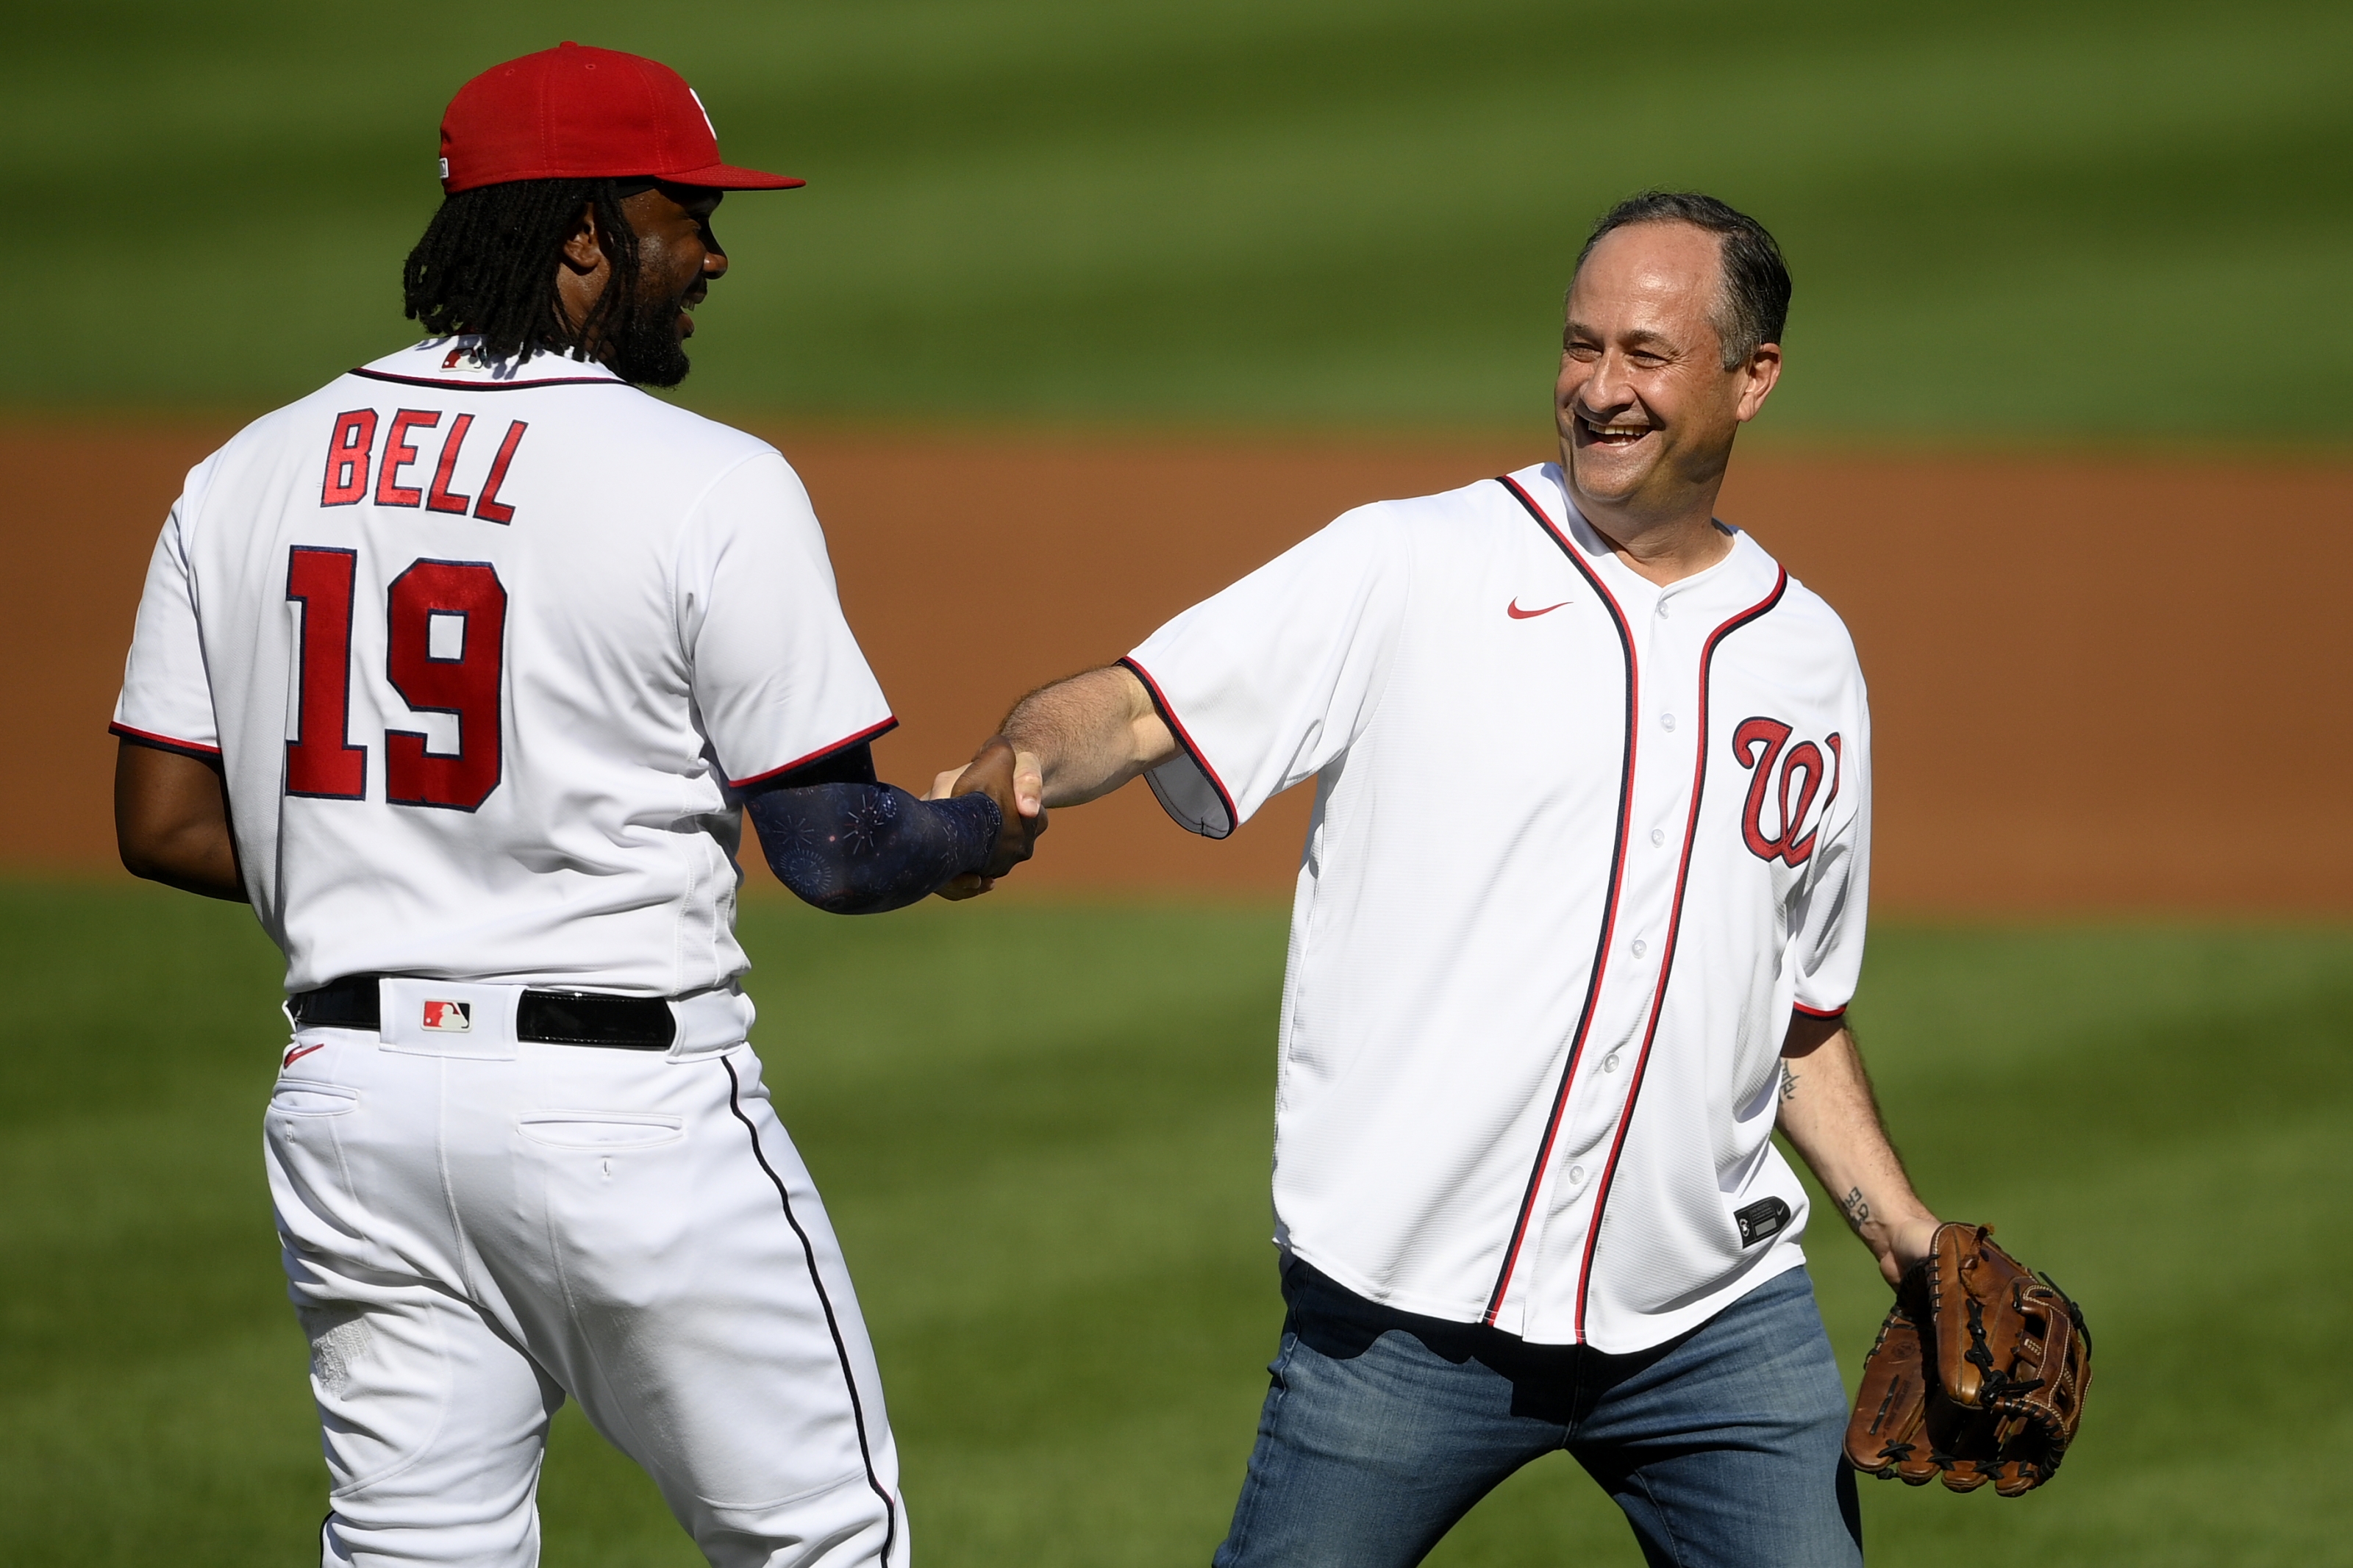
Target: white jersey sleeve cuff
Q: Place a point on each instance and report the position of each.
(888, 723)
(1187, 785)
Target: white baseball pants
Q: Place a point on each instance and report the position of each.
(475, 1228)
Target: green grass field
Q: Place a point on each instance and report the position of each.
(2028, 222)
(1055, 1206)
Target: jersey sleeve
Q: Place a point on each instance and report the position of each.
(1826, 930)
(778, 679)
(167, 695)
(1266, 683)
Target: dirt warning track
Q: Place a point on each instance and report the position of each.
(2097, 685)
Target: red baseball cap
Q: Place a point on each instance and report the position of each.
(575, 114)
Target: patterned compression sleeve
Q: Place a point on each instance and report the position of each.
(863, 848)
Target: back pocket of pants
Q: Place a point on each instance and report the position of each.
(296, 1097)
(600, 1130)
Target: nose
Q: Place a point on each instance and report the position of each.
(1608, 388)
(714, 260)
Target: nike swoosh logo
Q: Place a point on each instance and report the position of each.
(298, 1052)
(1518, 614)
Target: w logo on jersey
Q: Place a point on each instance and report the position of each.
(1762, 747)
(449, 1018)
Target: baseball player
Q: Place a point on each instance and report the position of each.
(1579, 913)
(462, 670)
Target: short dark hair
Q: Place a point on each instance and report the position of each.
(1753, 306)
(488, 264)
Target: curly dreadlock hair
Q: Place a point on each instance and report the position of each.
(489, 259)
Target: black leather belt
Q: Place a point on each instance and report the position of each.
(546, 1018)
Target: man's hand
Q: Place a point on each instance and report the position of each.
(1909, 1242)
(1013, 780)
(1070, 742)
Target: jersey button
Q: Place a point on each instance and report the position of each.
(1610, 1062)
(1576, 1174)
(1658, 835)
(1666, 720)
(1663, 609)
(1640, 947)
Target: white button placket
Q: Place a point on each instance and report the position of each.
(1665, 737)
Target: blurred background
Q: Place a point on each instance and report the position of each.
(1087, 309)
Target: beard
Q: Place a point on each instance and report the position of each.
(644, 348)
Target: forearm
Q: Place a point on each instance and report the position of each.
(1091, 733)
(1830, 1116)
(864, 848)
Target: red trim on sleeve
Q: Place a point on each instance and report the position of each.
(1184, 739)
(164, 743)
(818, 755)
(1837, 1012)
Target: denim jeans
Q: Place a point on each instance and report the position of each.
(1382, 1428)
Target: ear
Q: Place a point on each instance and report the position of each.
(582, 254)
(1758, 379)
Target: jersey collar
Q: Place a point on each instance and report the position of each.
(461, 362)
(1744, 567)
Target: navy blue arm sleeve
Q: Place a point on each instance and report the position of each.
(859, 848)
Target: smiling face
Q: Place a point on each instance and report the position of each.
(677, 258)
(1646, 409)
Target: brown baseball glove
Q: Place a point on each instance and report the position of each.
(1978, 1374)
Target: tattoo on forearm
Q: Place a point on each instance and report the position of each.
(1858, 1213)
(1788, 1084)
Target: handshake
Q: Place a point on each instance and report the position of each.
(1063, 744)
(1015, 781)
(851, 846)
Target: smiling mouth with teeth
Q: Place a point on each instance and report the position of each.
(1614, 435)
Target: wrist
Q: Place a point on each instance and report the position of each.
(976, 821)
(1899, 1244)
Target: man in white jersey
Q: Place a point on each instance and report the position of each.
(1579, 914)
(462, 670)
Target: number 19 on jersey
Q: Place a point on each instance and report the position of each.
(445, 638)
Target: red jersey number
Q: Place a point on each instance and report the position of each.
(446, 648)
(319, 759)
(447, 621)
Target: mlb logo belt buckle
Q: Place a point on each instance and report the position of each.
(448, 1018)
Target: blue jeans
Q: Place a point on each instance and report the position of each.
(1382, 1428)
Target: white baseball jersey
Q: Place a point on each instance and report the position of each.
(1581, 845)
(481, 648)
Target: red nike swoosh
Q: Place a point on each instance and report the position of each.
(298, 1052)
(1518, 614)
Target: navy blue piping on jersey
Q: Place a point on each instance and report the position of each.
(1674, 931)
(832, 1324)
(1184, 738)
(1609, 910)
(203, 753)
(491, 385)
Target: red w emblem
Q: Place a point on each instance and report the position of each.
(1758, 744)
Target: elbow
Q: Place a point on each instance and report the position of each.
(822, 887)
(841, 901)
(142, 859)
(832, 900)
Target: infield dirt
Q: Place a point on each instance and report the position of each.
(2098, 685)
